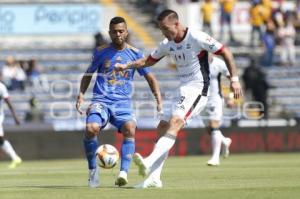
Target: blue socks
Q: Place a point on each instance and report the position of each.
(127, 150)
(90, 147)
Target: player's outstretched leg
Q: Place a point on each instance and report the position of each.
(153, 180)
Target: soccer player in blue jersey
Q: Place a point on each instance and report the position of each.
(111, 100)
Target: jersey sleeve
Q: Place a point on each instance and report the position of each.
(160, 51)
(207, 42)
(94, 62)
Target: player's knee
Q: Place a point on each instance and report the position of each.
(92, 129)
(208, 130)
(129, 133)
(176, 122)
(1, 141)
(162, 127)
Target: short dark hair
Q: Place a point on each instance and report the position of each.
(117, 20)
(166, 13)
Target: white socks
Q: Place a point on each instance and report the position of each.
(163, 145)
(8, 149)
(216, 141)
(156, 168)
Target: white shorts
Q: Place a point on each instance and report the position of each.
(213, 109)
(190, 103)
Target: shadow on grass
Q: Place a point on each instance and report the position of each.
(60, 187)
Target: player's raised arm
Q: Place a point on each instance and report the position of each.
(140, 63)
(154, 86)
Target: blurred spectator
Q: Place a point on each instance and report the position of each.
(257, 21)
(227, 7)
(269, 44)
(13, 75)
(34, 114)
(35, 78)
(267, 9)
(99, 39)
(255, 82)
(159, 6)
(207, 10)
(287, 36)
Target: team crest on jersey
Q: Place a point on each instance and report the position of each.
(107, 63)
(212, 46)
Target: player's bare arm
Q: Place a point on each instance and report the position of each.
(154, 86)
(234, 80)
(140, 63)
(84, 84)
(12, 110)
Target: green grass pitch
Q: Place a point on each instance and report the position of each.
(250, 176)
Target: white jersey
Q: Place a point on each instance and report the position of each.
(217, 68)
(3, 94)
(190, 56)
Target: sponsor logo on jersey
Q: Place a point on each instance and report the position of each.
(188, 46)
(179, 47)
(172, 49)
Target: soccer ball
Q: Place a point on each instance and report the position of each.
(107, 156)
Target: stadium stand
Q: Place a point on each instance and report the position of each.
(63, 59)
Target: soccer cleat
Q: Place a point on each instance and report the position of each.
(139, 161)
(225, 147)
(93, 181)
(213, 162)
(15, 163)
(122, 179)
(149, 183)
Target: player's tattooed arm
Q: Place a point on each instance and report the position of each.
(154, 86)
(140, 63)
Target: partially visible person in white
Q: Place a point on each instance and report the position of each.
(214, 111)
(5, 144)
(287, 35)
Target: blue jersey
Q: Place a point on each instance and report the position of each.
(112, 85)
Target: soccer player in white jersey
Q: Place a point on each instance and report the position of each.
(214, 110)
(4, 144)
(189, 48)
(213, 114)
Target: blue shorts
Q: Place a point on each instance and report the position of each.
(116, 114)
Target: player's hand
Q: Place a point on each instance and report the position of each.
(80, 101)
(236, 89)
(120, 67)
